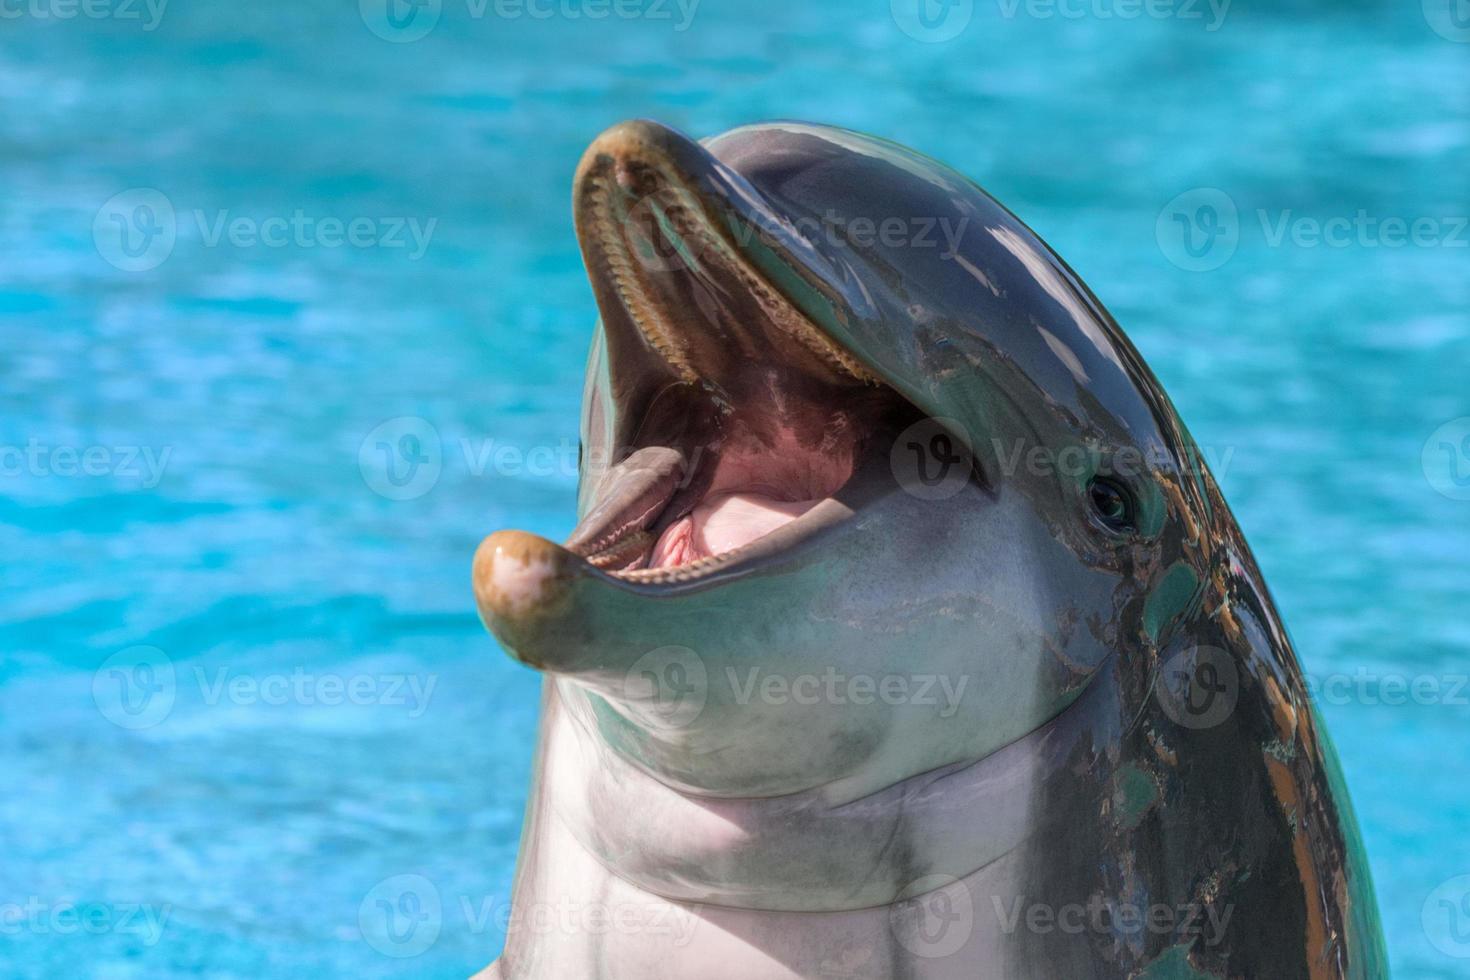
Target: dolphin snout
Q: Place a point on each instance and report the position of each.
(555, 611)
(521, 581)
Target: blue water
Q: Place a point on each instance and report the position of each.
(250, 811)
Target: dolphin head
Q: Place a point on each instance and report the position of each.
(872, 484)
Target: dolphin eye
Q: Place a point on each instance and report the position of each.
(1113, 505)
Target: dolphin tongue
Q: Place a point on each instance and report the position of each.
(621, 531)
(630, 497)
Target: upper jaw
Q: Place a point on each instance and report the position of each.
(665, 230)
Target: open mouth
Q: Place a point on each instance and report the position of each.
(737, 419)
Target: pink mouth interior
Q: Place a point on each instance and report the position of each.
(759, 487)
(723, 523)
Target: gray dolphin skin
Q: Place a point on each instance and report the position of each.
(905, 633)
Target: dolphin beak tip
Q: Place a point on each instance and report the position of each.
(519, 578)
(641, 140)
(635, 134)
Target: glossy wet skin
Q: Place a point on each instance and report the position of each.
(993, 602)
(764, 354)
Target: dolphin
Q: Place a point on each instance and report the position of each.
(905, 632)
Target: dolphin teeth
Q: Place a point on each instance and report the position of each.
(679, 573)
(624, 555)
(616, 258)
(668, 204)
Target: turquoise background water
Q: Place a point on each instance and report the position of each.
(269, 549)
